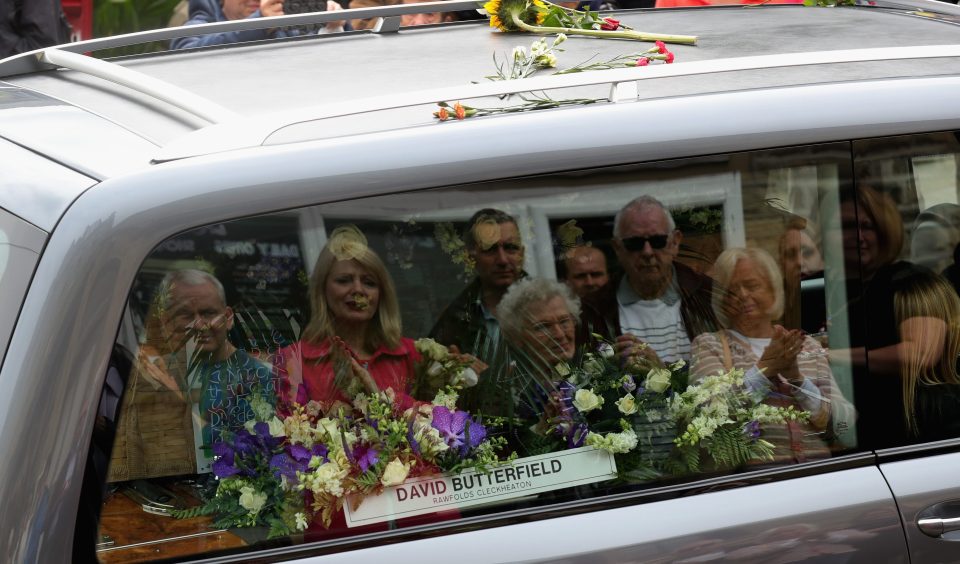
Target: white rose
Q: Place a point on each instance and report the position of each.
(467, 379)
(395, 473)
(252, 500)
(586, 400)
(658, 380)
(627, 404)
(435, 369)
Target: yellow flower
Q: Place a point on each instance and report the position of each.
(569, 234)
(501, 13)
(487, 233)
(347, 242)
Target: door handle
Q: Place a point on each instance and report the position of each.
(936, 527)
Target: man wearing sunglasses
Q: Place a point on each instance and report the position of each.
(659, 305)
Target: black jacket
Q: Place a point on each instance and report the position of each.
(26, 25)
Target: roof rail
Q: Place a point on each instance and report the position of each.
(31, 62)
(257, 130)
(173, 95)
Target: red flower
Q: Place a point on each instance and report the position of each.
(442, 115)
(459, 111)
(669, 58)
(661, 47)
(610, 24)
(643, 61)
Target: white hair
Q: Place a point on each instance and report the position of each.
(527, 292)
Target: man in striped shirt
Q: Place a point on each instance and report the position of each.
(659, 305)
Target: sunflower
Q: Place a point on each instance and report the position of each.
(502, 13)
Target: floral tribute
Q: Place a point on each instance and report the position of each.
(719, 417)
(618, 407)
(541, 56)
(286, 473)
(544, 17)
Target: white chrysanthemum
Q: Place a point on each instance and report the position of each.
(616, 443)
(431, 349)
(447, 399)
(301, 521)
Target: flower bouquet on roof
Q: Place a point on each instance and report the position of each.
(616, 406)
(719, 418)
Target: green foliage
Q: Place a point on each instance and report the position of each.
(116, 17)
(699, 220)
(192, 512)
(727, 447)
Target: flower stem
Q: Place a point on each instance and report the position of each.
(626, 34)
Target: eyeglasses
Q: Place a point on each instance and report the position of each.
(635, 244)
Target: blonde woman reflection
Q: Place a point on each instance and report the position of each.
(928, 311)
(782, 366)
(353, 341)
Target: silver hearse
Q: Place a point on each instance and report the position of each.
(193, 241)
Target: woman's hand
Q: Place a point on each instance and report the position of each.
(468, 360)
(342, 356)
(780, 356)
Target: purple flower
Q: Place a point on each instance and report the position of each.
(366, 456)
(577, 435)
(629, 384)
(457, 429)
(285, 465)
(414, 443)
(752, 430)
(223, 466)
(320, 450)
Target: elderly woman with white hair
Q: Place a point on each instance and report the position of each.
(782, 366)
(539, 318)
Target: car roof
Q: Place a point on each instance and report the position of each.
(214, 99)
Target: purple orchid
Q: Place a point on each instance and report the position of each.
(752, 430)
(223, 466)
(457, 429)
(366, 456)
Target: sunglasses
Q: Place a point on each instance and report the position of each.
(635, 244)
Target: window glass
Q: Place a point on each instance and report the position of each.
(908, 220)
(418, 358)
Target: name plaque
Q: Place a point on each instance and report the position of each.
(519, 478)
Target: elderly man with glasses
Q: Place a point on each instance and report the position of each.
(659, 305)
